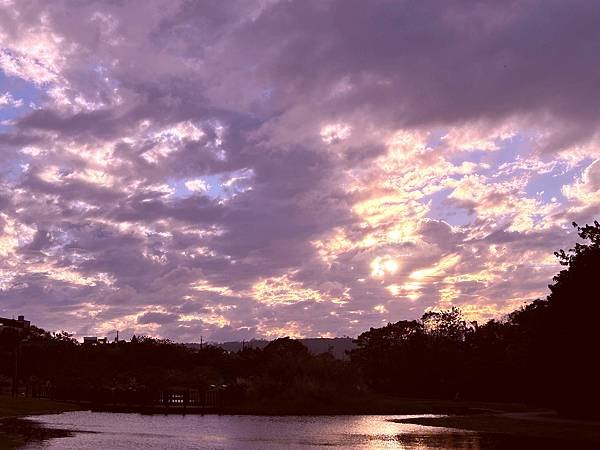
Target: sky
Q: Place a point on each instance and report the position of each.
(258, 169)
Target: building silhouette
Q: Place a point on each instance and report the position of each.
(19, 324)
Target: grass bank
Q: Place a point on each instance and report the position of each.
(541, 424)
(14, 431)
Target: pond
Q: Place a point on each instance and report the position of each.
(99, 431)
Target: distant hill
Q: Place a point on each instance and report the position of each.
(337, 346)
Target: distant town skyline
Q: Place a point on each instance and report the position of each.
(258, 169)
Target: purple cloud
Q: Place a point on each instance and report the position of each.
(258, 169)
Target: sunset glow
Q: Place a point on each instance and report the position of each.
(242, 170)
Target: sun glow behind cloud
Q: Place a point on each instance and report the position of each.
(205, 171)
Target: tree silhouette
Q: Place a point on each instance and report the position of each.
(574, 304)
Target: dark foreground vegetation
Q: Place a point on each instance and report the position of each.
(544, 354)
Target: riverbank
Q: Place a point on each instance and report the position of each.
(534, 424)
(369, 404)
(15, 431)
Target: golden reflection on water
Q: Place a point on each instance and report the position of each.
(384, 433)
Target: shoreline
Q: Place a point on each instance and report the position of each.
(16, 431)
(533, 424)
(365, 405)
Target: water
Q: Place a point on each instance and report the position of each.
(112, 431)
(134, 431)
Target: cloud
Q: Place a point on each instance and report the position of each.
(244, 169)
(197, 185)
(7, 100)
(156, 317)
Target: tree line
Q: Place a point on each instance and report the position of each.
(545, 353)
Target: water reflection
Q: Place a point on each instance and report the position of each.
(133, 431)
